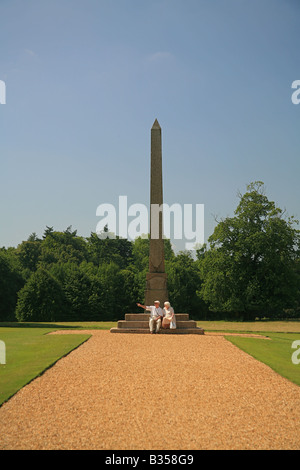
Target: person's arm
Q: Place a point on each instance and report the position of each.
(143, 306)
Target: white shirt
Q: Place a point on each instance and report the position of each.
(155, 312)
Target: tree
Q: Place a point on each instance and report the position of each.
(104, 250)
(33, 238)
(62, 247)
(118, 291)
(41, 299)
(250, 266)
(77, 286)
(48, 231)
(10, 283)
(183, 284)
(140, 254)
(29, 253)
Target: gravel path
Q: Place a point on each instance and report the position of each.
(123, 391)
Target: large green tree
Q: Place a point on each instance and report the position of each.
(249, 268)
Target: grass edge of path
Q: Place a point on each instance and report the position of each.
(275, 355)
(31, 377)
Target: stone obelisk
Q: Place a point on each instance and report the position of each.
(156, 279)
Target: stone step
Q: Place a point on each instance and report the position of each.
(176, 331)
(145, 324)
(145, 316)
(139, 323)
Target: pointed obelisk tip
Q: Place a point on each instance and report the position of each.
(156, 125)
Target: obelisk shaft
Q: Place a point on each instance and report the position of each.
(156, 284)
(156, 257)
(156, 184)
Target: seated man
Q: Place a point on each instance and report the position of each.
(156, 315)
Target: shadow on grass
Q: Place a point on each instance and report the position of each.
(37, 325)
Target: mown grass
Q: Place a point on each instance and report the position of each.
(251, 327)
(99, 325)
(276, 353)
(29, 352)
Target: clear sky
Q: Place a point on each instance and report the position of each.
(85, 80)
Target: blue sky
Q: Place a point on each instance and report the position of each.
(85, 80)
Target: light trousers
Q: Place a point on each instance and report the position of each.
(154, 325)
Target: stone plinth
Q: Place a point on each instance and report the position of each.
(139, 323)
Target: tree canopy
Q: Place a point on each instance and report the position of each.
(250, 268)
(250, 265)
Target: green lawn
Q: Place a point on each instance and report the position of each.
(251, 327)
(30, 351)
(88, 325)
(275, 353)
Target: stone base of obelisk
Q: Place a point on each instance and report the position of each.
(156, 288)
(139, 323)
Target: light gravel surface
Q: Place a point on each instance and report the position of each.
(154, 392)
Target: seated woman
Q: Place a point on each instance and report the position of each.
(169, 320)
